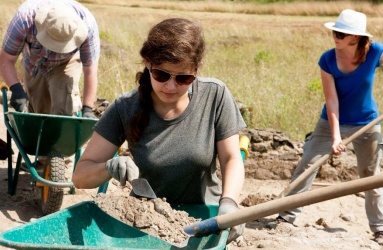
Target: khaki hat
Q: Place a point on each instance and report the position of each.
(59, 28)
(350, 22)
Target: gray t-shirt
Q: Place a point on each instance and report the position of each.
(178, 156)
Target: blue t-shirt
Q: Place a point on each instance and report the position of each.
(357, 105)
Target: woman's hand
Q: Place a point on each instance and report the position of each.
(123, 169)
(338, 147)
(228, 205)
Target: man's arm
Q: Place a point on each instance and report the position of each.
(8, 69)
(90, 85)
(19, 99)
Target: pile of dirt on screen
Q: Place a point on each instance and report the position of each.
(152, 216)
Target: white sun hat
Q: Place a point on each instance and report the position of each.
(60, 28)
(350, 22)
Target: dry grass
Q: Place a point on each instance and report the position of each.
(297, 8)
(269, 62)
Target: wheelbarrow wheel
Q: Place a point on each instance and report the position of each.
(52, 197)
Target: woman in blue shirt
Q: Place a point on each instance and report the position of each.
(347, 73)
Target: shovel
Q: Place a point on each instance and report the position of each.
(243, 215)
(322, 160)
(142, 188)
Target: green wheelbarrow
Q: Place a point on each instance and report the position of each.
(42, 135)
(86, 226)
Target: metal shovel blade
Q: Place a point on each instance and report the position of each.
(142, 188)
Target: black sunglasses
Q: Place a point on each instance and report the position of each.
(163, 76)
(339, 35)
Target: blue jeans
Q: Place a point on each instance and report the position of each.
(368, 153)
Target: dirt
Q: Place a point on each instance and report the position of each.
(339, 223)
(154, 216)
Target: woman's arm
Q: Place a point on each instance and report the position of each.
(232, 168)
(90, 171)
(381, 61)
(332, 106)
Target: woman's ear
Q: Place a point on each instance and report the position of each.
(355, 39)
(147, 64)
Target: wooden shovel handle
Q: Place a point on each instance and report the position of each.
(248, 214)
(268, 208)
(324, 158)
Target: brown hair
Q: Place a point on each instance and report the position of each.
(364, 44)
(174, 40)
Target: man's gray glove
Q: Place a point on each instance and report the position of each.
(87, 112)
(228, 205)
(19, 99)
(123, 169)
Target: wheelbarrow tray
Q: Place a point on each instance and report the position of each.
(44, 133)
(86, 226)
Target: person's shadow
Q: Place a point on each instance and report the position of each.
(25, 204)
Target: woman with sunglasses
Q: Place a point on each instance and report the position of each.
(176, 124)
(347, 73)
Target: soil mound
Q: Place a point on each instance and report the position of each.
(154, 216)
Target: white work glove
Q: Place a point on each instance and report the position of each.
(123, 169)
(228, 205)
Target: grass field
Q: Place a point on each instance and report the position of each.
(266, 53)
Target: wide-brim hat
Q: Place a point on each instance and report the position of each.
(350, 22)
(59, 28)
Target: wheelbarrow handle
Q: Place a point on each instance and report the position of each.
(4, 86)
(45, 182)
(4, 89)
(243, 146)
